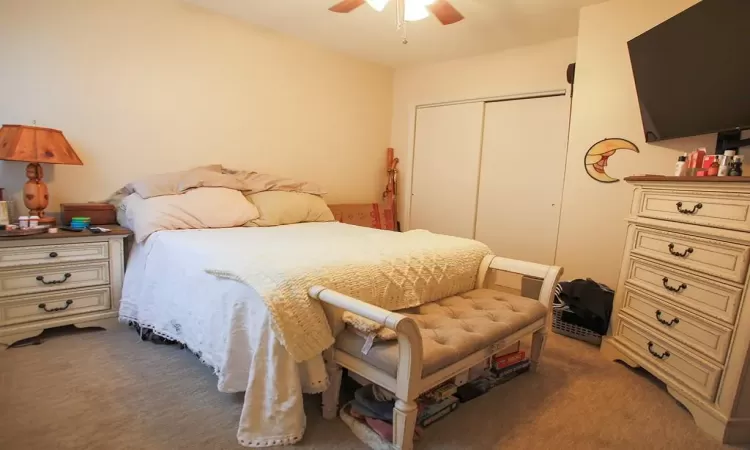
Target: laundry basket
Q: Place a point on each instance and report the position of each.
(560, 326)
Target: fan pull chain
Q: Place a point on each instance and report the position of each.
(401, 21)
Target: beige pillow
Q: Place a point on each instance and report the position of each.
(284, 208)
(214, 176)
(169, 183)
(195, 209)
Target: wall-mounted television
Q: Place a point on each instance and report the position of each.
(692, 72)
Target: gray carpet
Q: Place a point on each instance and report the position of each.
(107, 390)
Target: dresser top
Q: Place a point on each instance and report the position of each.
(637, 178)
(116, 230)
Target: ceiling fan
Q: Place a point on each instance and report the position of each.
(413, 10)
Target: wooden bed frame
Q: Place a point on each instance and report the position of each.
(408, 383)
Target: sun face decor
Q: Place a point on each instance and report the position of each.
(596, 157)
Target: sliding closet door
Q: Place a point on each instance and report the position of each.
(447, 146)
(521, 181)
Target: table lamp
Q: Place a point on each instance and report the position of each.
(36, 145)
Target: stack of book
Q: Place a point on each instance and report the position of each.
(502, 369)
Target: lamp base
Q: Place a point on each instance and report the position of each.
(36, 194)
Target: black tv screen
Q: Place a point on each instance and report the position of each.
(692, 72)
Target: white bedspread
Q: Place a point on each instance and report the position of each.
(166, 288)
(230, 326)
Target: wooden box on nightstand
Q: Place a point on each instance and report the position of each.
(51, 280)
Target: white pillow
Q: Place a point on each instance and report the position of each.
(195, 209)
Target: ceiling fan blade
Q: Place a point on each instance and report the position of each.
(445, 12)
(346, 6)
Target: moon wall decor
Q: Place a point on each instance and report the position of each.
(595, 160)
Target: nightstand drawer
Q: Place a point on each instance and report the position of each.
(662, 354)
(721, 259)
(710, 339)
(31, 308)
(716, 209)
(52, 254)
(53, 278)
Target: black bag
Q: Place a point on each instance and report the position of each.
(585, 303)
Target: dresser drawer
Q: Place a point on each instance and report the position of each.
(52, 254)
(664, 355)
(722, 210)
(710, 339)
(53, 278)
(713, 257)
(31, 308)
(716, 299)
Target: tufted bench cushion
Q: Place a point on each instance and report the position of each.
(452, 329)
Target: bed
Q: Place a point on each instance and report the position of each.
(228, 324)
(223, 262)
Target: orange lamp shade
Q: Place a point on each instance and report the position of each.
(36, 145)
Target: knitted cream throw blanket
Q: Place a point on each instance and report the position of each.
(391, 270)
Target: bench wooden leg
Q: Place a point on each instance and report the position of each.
(538, 340)
(331, 395)
(404, 422)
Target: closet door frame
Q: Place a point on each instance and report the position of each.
(410, 153)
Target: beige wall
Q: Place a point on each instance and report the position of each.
(521, 70)
(592, 228)
(143, 86)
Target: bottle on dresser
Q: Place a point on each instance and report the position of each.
(680, 169)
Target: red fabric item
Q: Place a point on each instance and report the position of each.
(384, 429)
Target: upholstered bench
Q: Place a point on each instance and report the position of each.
(439, 340)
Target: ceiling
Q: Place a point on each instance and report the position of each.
(490, 25)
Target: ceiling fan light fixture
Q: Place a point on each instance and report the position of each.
(377, 5)
(415, 10)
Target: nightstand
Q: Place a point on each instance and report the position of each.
(66, 278)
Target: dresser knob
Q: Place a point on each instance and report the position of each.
(64, 279)
(665, 282)
(662, 356)
(62, 308)
(672, 322)
(53, 255)
(684, 254)
(695, 209)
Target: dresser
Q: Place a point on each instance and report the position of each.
(681, 309)
(51, 280)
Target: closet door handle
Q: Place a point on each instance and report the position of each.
(672, 322)
(661, 356)
(665, 282)
(684, 254)
(695, 209)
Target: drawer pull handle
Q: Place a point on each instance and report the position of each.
(53, 255)
(672, 322)
(684, 254)
(662, 356)
(65, 278)
(665, 282)
(62, 308)
(689, 211)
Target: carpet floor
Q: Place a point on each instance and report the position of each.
(99, 389)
